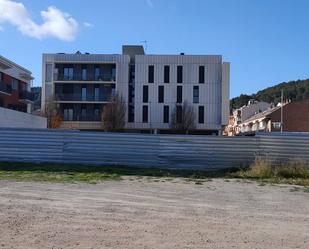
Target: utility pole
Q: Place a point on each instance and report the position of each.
(281, 124)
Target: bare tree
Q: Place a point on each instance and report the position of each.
(183, 118)
(52, 113)
(113, 115)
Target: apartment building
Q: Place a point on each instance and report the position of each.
(15, 86)
(152, 86)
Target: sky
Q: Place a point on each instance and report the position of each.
(266, 41)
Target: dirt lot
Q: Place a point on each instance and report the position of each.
(148, 213)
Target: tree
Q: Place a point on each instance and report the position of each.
(52, 113)
(293, 90)
(183, 118)
(113, 115)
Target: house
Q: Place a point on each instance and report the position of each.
(295, 117)
(152, 86)
(16, 99)
(245, 112)
(15, 85)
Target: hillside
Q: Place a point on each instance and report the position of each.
(294, 90)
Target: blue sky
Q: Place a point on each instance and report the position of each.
(266, 41)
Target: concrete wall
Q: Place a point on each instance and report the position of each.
(14, 119)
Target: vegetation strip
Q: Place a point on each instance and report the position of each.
(294, 172)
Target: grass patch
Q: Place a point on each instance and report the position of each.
(111, 170)
(294, 172)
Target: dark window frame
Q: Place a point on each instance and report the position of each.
(160, 94)
(166, 114)
(201, 114)
(196, 94)
(179, 74)
(145, 114)
(151, 74)
(166, 74)
(145, 94)
(201, 74)
(179, 94)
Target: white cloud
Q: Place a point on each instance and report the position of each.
(56, 23)
(88, 25)
(150, 3)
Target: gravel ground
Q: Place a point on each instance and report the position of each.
(149, 213)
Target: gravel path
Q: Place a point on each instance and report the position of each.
(145, 213)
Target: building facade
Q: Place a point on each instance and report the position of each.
(15, 86)
(243, 113)
(295, 118)
(152, 86)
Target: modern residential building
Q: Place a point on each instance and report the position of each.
(295, 118)
(15, 85)
(152, 86)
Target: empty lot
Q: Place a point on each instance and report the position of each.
(153, 213)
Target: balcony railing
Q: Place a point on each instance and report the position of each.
(25, 95)
(4, 88)
(87, 117)
(99, 77)
(79, 97)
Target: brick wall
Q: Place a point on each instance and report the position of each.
(295, 116)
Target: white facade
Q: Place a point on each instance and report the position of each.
(213, 93)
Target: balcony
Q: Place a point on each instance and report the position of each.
(98, 78)
(26, 97)
(83, 118)
(73, 97)
(5, 90)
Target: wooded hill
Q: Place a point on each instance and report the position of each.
(293, 90)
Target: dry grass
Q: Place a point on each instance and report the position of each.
(294, 171)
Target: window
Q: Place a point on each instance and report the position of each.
(68, 73)
(84, 115)
(201, 74)
(145, 113)
(195, 94)
(96, 73)
(14, 84)
(166, 114)
(179, 74)
(161, 94)
(145, 94)
(48, 73)
(84, 73)
(151, 74)
(84, 93)
(179, 114)
(179, 94)
(113, 74)
(96, 93)
(96, 112)
(68, 114)
(201, 114)
(131, 114)
(166, 74)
